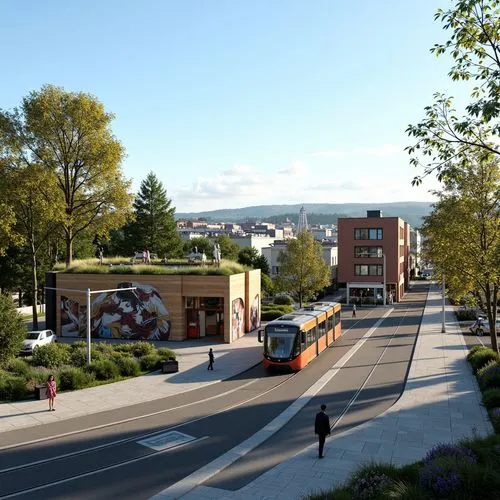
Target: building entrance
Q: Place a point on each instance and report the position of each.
(204, 316)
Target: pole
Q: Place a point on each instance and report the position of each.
(443, 322)
(89, 355)
(385, 278)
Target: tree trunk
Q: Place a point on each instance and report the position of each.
(34, 287)
(69, 245)
(491, 311)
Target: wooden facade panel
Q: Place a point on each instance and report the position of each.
(252, 299)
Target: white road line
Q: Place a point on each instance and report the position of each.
(202, 475)
(98, 471)
(110, 424)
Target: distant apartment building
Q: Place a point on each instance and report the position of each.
(415, 252)
(253, 240)
(272, 253)
(374, 251)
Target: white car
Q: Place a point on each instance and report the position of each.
(481, 326)
(36, 339)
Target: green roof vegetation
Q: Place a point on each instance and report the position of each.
(118, 265)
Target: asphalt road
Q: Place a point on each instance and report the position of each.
(100, 455)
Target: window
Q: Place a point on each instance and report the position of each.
(322, 328)
(368, 234)
(330, 323)
(368, 270)
(337, 317)
(368, 252)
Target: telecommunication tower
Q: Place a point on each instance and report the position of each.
(302, 226)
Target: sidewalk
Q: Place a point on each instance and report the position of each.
(230, 359)
(441, 403)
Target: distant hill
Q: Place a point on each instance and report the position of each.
(411, 211)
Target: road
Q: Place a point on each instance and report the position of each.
(108, 455)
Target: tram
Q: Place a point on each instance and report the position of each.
(295, 339)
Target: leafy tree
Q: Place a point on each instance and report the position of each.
(303, 270)
(261, 263)
(443, 138)
(267, 285)
(463, 232)
(155, 227)
(68, 134)
(202, 244)
(247, 256)
(228, 249)
(12, 330)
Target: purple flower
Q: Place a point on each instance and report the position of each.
(450, 450)
(440, 480)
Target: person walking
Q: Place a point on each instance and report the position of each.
(210, 360)
(322, 428)
(354, 310)
(51, 392)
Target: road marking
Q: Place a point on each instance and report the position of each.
(97, 471)
(166, 440)
(203, 474)
(110, 424)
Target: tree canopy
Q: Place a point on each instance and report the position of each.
(463, 232)
(154, 226)
(443, 136)
(12, 330)
(69, 135)
(303, 271)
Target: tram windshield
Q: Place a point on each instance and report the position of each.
(280, 341)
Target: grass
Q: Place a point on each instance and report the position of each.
(118, 265)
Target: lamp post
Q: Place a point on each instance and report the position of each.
(385, 278)
(443, 322)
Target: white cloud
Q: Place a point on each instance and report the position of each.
(383, 151)
(297, 169)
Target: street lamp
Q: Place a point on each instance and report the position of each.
(443, 322)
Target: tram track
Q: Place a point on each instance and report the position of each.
(121, 446)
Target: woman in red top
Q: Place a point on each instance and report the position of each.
(51, 392)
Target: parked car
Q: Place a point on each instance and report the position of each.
(36, 339)
(481, 326)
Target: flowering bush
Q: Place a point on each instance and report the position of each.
(489, 376)
(442, 479)
(368, 485)
(450, 450)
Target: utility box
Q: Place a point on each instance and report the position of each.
(41, 391)
(170, 366)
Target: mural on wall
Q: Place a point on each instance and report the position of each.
(255, 313)
(238, 318)
(125, 314)
(73, 318)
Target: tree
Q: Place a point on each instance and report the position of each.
(443, 138)
(303, 270)
(154, 227)
(261, 263)
(463, 232)
(202, 244)
(228, 249)
(12, 330)
(247, 256)
(69, 134)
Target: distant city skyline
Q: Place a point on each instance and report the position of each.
(234, 104)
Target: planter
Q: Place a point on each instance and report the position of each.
(170, 366)
(41, 391)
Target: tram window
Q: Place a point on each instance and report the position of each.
(303, 340)
(337, 317)
(311, 336)
(322, 328)
(330, 322)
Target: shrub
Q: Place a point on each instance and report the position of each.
(78, 357)
(128, 366)
(36, 376)
(475, 349)
(489, 375)
(466, 315)
(126, 348)
(283, 300)
(480, 358)
(51, 355)
(106, 350)
(403, 490)
(441, 477)
(79, 344)
(18, 367)
(368, 483)
(12, 388)
(452, 451)
(71, 378)
(104, 369)
(271, 314)
(12, 330)
(150, 362)
(495, 419)
(143, 349)
(491, 398)
(166, 353)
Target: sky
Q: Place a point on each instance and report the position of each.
(235, 103)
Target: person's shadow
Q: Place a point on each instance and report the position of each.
(23, 413)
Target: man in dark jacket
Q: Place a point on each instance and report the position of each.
(322, 428)
(210, 360)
